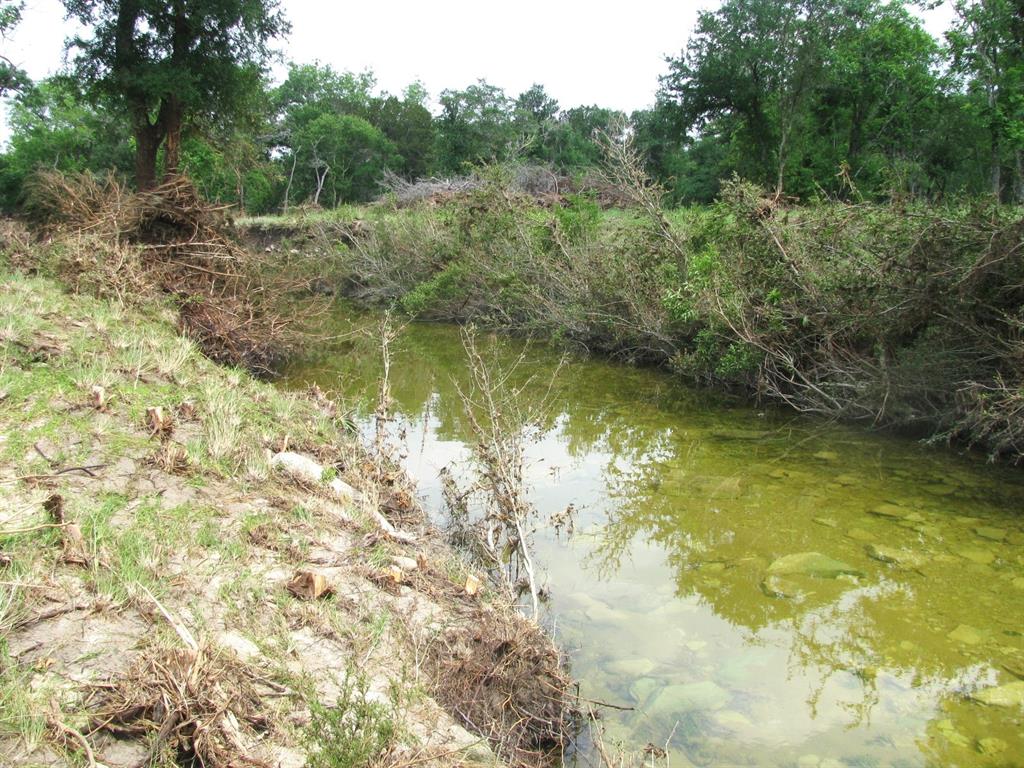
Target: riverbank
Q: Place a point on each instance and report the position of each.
(897, 316)
(169, 591)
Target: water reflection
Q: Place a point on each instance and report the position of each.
(703, 588)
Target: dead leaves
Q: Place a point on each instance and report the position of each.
(310, 585)
(159, 421)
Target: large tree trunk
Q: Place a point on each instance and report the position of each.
(995, 148)
(147, 143)
(172, 124)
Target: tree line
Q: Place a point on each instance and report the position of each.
(845, 98)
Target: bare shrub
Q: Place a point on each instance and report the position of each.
(502, 428)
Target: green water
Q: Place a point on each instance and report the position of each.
(679, 596)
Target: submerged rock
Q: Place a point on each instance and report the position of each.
(893, 556)
(1010, 695)
(779, 588)
(967, 635)
(812, 564)
(992, 746)
(888, 510)
(979, 556)
(632, 668)
(951, 734)
(932, 531)
(859, 534)
(990, 533)
(733, 720)
(642, 688)
(673, 700)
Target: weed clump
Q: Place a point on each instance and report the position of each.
(356, 732)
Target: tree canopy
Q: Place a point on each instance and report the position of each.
(172, 65)
(849, 98)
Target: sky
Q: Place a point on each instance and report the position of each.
(581, 53)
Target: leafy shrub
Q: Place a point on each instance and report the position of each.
(356, 732)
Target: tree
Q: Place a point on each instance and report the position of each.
(342, 155)
(534, 118)
(878, 103)
(753, 66)
(12, 77)
(475, 125)
(987, 46)
(171, 65)
(410, 127)
(332, 132)
(570, 141)
(54, 126)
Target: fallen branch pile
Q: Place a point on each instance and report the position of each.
(201, 703)
(168, 240)
(501, 677)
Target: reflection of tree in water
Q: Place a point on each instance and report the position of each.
(839, 630)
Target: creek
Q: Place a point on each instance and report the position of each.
(757, 588)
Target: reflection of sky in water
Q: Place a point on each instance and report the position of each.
(660, 596)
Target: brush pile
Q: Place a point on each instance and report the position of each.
(502, 677)
(203, 705)
(169, 241)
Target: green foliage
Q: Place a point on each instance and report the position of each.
(850, 100)
(847, 98)
(475, 126)
(987, 47)
(53, 126)
(440, 294)
(12, 78)
(354, 733)
(336, 135)
(579, 218)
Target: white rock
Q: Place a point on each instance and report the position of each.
(405, 563)
(305, 469)
(244, 648)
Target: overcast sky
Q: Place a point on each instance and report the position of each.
(582, 53)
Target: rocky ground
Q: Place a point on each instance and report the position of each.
(171, 594)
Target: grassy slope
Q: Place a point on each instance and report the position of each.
(197, 524)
